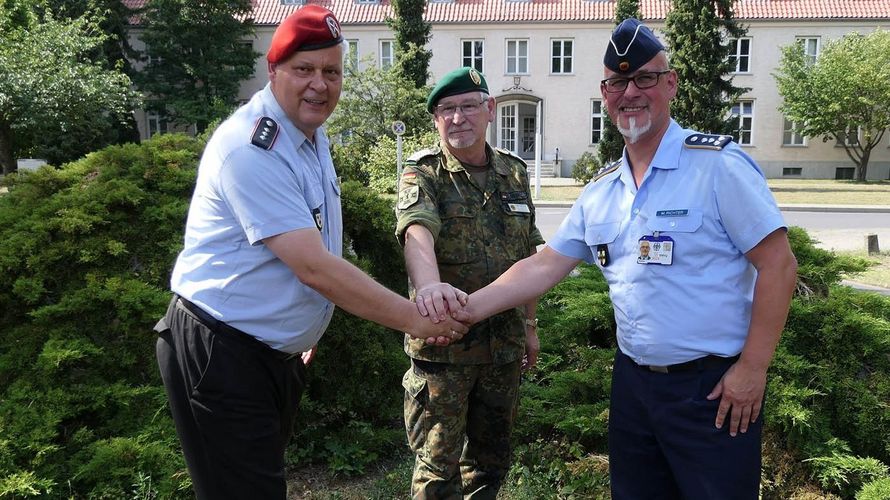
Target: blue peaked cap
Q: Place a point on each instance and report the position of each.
(632, 45)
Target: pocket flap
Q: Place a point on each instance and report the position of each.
(599, 234)
(413, 384)
(685, 224)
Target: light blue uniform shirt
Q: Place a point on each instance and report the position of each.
(244, 194)
(716, 206)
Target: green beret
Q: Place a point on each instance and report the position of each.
(459, 81)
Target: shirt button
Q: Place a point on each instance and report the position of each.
(673, 224)
(636, 211)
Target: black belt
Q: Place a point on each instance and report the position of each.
(222, 328)
(709, 362)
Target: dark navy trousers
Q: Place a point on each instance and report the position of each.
(663, 443)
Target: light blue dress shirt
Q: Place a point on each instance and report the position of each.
(715, 206)
(244, 194)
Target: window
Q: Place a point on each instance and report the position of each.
(155, 124)
(741, 57)
(517, 57)
(151, 59)
(350, 56)
(791, 171)
(844, 173)
(848, 138)
(743, 111)
(473, 52)
(561, 56)
(507, 129)
(810, 48)
(790, 134)
(596, 121)
(367, 1)
(387, 53)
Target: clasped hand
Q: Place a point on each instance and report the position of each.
(442, 303)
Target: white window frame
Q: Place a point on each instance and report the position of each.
(811, 56)
(559, 58)
(791, 136)
(741, 53)
(597, 122)
(508, 126)
(741, 115)
(155, 124)
(367, 1)
(387, 59)
(846, 142)
(350, 55)
(472, 59)
(517, 58)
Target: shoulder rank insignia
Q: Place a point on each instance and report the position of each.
(606, 170)
(419, 155)
(707, 141)
(264, 133)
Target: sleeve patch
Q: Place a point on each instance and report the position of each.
(705, 141)
(408, 197)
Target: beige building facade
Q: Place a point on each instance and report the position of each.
(543, 64)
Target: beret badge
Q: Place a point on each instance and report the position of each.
(474, 75)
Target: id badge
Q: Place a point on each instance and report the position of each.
(656, 250)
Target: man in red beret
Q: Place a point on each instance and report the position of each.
(261, 270)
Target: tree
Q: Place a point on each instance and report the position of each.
(372, 99)
(48, 83)
(700, 36)
(197, 54)
(611, 144)
(412, 34)
(845, 89)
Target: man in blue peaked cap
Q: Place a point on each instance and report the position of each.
(700, 273)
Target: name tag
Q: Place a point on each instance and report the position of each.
(672, 213)
(519, 208)
(656, 250)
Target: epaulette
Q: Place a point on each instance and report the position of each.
(264, 133)
(510, 153)
(606, 170)
(423, 153)
(707, 141)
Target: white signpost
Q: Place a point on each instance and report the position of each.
(398, 128)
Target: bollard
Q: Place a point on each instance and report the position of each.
(871, 242)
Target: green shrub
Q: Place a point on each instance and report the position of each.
(585, 167)
(879, 489)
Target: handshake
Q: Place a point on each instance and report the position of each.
(447, 316)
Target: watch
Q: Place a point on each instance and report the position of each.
(532, 323)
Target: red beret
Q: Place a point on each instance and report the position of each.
(309, 28)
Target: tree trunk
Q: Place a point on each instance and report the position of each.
(7, 161)
(862, 168)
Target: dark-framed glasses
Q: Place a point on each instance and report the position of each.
(466, 108)
(641, 80)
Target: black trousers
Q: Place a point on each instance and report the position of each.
(233, 401)
(663, 443)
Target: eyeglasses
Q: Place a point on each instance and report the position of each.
(466, 109)
(642, 81)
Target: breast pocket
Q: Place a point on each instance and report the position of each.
(599, 237)
(457, 242)
(688, 223)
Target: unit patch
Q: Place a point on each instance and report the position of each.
(264, 133)
(408, 197)
(705, 141)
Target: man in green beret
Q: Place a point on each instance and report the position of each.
(465, 215)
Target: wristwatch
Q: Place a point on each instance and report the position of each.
(532, 323)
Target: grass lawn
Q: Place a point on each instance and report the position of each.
(877, 275)
(791, 191)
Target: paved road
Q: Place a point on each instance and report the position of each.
(841, 231)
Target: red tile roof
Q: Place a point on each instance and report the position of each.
(271, 12)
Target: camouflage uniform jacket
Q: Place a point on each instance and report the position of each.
(479, 232)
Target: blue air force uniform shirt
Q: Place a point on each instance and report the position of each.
(245, 193)
(711, 206)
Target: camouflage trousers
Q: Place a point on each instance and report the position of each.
(458, 419)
